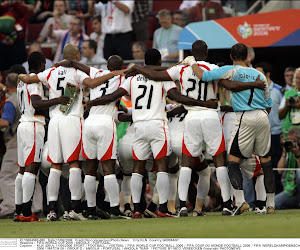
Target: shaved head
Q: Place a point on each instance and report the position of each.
(71, 52)
(115, 63)
(199, 50)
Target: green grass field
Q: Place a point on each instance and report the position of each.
(283, 224)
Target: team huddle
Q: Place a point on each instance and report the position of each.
(161, 138)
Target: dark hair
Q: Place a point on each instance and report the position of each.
(78, 18)
(199, 48)
(97, 18)
(184, 16)
(35, 60)
(152, 57)
(267, 67)
(239, 52)
(92, 44)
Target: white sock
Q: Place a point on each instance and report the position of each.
(75, 183)
(173, 186)
(270, 200)
(239, 197)
(203, 183)
(162, 185)
(18, 190)
(155, 197)
(223, 179)
(112, 188)
(28, 185)
(53, 184)
(90, 190)
(184, 183)
(260, 188)
(125, 187)
(106, 199)
(136, 187)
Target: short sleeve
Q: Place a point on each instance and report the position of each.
(169, 85)
(126, 85)
(9, 112)
(174, 73)
(35, 89)
(282, 103)
(45, 75)
(81, 76)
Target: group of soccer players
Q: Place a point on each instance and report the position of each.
(151, 142)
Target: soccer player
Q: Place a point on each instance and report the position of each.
(31, 133)
(151, 130)
(251, 132)
(201, 123)
(64, 133)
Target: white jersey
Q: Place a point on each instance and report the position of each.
(104, 89)
(57, 79)
(192, 86)
(25, 91)
(147, 97)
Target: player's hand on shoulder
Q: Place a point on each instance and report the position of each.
(130, 72)
(259, 83)
(119, 72)
(64, 63)
(63, 100)
(212, 103)
(190, 60)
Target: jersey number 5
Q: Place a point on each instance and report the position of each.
(58, 87)
(144, 87)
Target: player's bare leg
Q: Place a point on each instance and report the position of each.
(269, 181)
(223, 179)
(111, 186)
(203, 171)
(19, 194)
(184, 180)
(136, 186)
(28, 185)
(90, 187)
(173, 178)
(53, 190)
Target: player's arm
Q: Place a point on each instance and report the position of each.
(72, 64)
(107, 98)
(122, 7)
(236, 86)
(226, 108)
(93, 83)
(122, 117)
(175, 111)
(149, 73)
(28, 78)
(175, 95)
(39, 103)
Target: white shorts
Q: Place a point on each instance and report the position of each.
(227, 120)
(99, 138)
(251, 166)
(64, 139)
(125, 153)
(251, 134)
(30, 136)
(151, 139)
(199, 127)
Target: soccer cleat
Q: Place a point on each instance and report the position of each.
(260, 211)
(183, 212)
(196, 213)
(16, 217)
(52, 216)
(165, 215)
(270, 210)
(137, 215)
(227, 212)
(150, 214)
(92, 217)
(66, 216)
(103, 214)
(244, 207)
(31, 218)
(128, 213)
(76, 216)
(118, 217)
